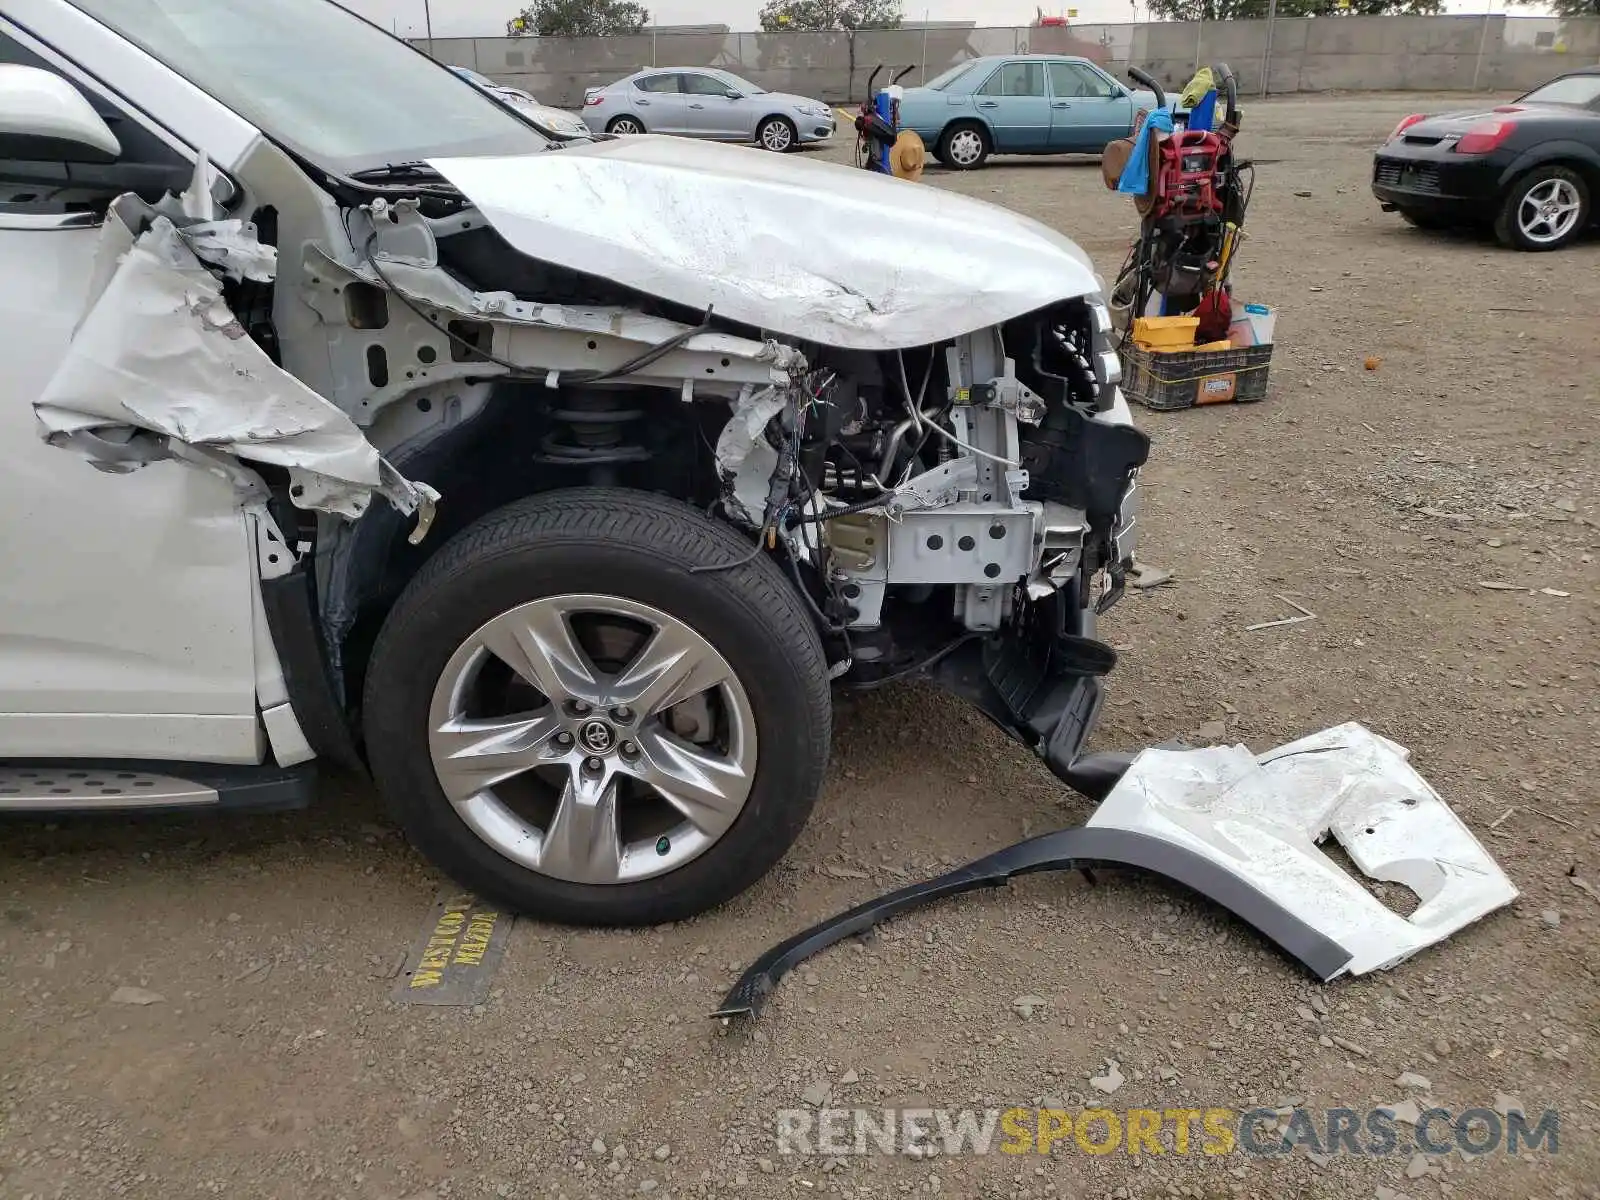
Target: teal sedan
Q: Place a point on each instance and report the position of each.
(1020, 104)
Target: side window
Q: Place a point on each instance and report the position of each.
(148, 165)
(705, 85)
(1016, 79)
(1074, 79)
(657, 83)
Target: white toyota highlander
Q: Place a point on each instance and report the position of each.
(347, 421)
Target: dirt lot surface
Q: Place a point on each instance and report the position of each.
(274, 1064)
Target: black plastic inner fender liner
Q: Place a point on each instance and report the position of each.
(290, 606)
(1065, 850)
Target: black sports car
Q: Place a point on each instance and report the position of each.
(1530, 168)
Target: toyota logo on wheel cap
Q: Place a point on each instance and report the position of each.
(597, 737)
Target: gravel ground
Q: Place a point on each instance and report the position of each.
(273, 1063)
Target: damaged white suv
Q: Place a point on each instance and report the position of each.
(346, 420)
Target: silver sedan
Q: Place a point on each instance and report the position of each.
(703, 102)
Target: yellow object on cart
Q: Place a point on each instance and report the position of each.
(1165, 333)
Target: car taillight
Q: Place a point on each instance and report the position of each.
(1485, 136)
(592, 101)
(1406, 124)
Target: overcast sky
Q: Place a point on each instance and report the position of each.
(487, 18)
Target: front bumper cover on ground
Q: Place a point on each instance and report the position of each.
(1243, 831)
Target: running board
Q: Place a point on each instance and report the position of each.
(69, 786)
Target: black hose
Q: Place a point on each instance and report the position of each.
(823, 619)
(1230, 87)
(833, 514)
(1147, 80)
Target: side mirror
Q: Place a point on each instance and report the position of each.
(733, 94)
(43, 118)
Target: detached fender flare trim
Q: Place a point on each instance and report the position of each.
(1075, 849)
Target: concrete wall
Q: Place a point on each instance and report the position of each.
(1449, 53)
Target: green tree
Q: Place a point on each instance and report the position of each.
(1227, 10)
(782, 16)
(578, 18)
(1565, 8)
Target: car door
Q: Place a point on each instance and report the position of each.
(1017, 105)
(711, 113)
(1087, 108)
(127, 600)
(659, 102)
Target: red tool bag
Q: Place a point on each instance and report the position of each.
(1185, 174)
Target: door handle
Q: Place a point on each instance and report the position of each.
(1062, 104)
(697, 106)
(643, 103)
(988, 104)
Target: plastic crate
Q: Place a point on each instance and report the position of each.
(1169, 381)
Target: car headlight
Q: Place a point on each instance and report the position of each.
(814, 110)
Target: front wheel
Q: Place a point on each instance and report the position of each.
(777, 134)
(571, 720)
(1543, 210)
(964, 147)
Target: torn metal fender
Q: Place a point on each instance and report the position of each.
(1066, 850)
(158, 349)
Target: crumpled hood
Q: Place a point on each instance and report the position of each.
(812, 250)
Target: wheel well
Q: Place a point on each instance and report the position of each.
(1588, 171)
(627, 116)
(784, 117)
(508, 450)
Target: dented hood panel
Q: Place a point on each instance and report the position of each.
(812, 250)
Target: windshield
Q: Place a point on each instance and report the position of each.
(1581, 90)
(319, 79)
(954, 73)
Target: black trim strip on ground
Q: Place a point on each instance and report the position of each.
(1066, 850)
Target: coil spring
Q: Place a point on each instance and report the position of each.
(591, 432)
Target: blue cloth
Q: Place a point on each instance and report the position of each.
(1203, 115)
(885, 107)
(1135, 179)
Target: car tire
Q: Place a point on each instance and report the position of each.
(1544, 209)
(626, 126)
(777, 134)
(964, 146)
(628, 552)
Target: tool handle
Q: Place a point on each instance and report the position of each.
(1145, 79)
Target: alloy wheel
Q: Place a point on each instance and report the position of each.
(593, 739)
(777, 136)
(1548, 211)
